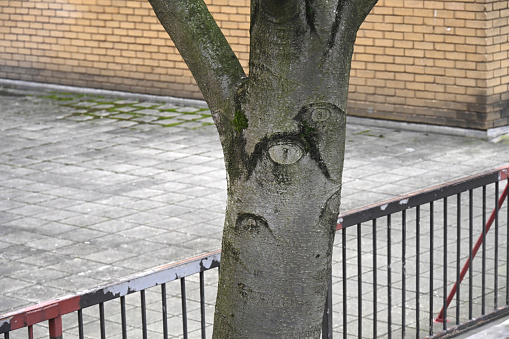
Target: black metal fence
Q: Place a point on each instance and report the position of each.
(396, 273)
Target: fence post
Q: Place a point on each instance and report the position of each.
(55, 328)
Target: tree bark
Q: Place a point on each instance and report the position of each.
(282, 131)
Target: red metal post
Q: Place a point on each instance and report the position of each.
(440, 318)
(55, 328)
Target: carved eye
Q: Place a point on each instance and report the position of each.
(320, 114)
(285, 153)
(249, 222)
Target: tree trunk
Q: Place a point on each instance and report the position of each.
(282, 130)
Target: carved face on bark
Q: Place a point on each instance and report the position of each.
(287, 197)
(283, 164)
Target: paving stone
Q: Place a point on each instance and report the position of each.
(79, 249)
(125, 108)
(102, 114)
(145, 119)
(9, 284)
(122, 116)
(43, 257)
(167, 106)
(125, 102)
(48, 243)
(80, 117)
(15, 252)
(141, 232)
(74, 283)
(188, 117)
(126, 124)
(208, 120)
(109, 256)
(147, 104)
(153, 112)
(80, 235)
(36, 293)
(105, 106)
(187, 109)
(85, 104)
(168, 115)
(191, 124)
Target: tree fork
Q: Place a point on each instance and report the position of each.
(282, 130)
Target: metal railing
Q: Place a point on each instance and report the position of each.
(118, 315)
(404, 268)
(401, 262)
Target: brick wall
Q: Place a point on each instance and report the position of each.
(440, 62)
(109, 44)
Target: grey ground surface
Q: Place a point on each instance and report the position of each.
(93, 188)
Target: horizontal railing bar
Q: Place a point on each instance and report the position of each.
(418, 198)
(135, 283)
(156, 276)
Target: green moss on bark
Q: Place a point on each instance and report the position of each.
(240, 121)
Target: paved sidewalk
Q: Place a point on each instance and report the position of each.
(96, 188)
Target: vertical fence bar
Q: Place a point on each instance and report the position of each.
(101, 321)
(123, 317)
(81, 334)
(389, 282)
(483, 278)
(375, 287)
(143, 314)
(431, 264)
(470, 243)
(418, 270)
(55, 328)
(403, 277)
(202, 304)
(343, 263)
(184, 306)
(165, 310)
(359, 281)
(327, 314)
(458, 255)
(495, 301)
(30, 332)
(444, 324)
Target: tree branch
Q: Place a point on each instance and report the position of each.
(203, 47)
(349, 16)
